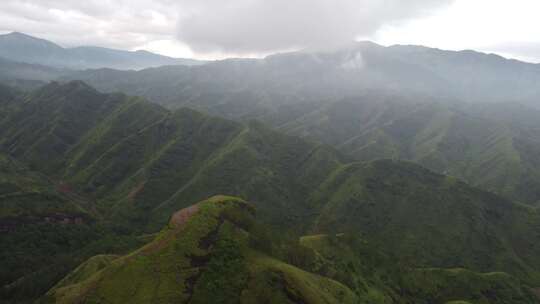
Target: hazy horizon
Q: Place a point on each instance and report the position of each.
(506, 56)
(214, 30)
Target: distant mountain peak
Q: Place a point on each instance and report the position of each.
(19, 34)
(365, 43)
(21, 47)
(25, 37)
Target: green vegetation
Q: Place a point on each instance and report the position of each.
(452, 285)
(380, 278)
(428, 219)
(137, 159)
(205, 255)
(203, 258)
(89, 172)
(494, 151)
(450, 112)
(44, 233)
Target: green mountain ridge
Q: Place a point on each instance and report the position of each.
(135, 163)
(205, 148)
(429, 219)
(35, 220)
(236, 88)
(202, 255)
(466, 114)
(460, 140)
(208, 253)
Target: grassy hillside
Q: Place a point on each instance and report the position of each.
(203, 255)
(51, 120)
(208, 253)
(137, 159)
(380, 278)
(429, 219)
(130, 164)
(493, 147)
(39, 228)
(374, 102)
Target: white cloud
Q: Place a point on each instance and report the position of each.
(221, 28)
(262, 26)
(168, 47)
(214, 28)
(510, 28)
(118, 24)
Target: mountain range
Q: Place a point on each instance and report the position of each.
(215, 243)
(113, 167)
(306, 77)
(369, 101)
(23, 48)
(367, 174)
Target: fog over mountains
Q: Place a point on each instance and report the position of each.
(365, 174)
(20, 47)
(310, 76)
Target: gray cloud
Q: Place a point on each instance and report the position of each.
(124, 24)
(206, 26)
(260, 26)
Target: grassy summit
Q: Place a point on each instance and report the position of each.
(210, 253)
(203, 255)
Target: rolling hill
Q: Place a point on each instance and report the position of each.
(466, 114)
(493, 147)
(202, 255)
(209, 252)
(134, 163)
(143, 158)
(35, 222)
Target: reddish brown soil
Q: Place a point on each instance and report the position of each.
(177, 222)
(180, 217)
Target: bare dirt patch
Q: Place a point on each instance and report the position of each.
(179, 218)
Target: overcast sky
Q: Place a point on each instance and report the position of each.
(225, 28)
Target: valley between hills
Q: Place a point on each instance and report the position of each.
(297, 178)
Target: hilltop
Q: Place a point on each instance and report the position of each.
(214, 251)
